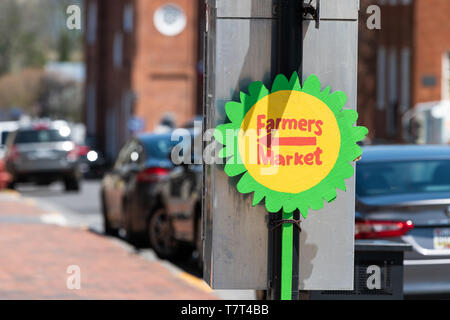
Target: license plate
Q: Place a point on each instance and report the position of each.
(441, 238)
(42, 155)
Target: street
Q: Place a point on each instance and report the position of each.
(77, 209)
(277, 150)
(47, 233)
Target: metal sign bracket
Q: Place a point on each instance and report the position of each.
(314, 12)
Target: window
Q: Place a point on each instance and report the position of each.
(402, 177)
(91, 106)
(393, 94)
(111, 133)
(381, 78)
(159, 147)
(128, 18)
(92, 23)
(406, 80)
(446, 77)
(40, 136)
(3, 137)
(118, 50)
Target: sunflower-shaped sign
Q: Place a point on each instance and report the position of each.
(293, 145)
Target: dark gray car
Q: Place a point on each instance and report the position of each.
(43, 155)
(403, 193)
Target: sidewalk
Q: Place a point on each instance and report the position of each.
(35, 257)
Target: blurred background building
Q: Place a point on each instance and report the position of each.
(135, 62)
(404, 72)
(41, 61)
(143, 63)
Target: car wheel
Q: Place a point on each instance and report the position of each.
(11, 185)
(160, 235)
(72, 184)
(131, 236)
(107, 229)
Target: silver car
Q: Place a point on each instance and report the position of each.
(43, 154)
(403, 194)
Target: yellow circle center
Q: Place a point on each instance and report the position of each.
(289, 141)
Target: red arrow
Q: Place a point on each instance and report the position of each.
(268, 141)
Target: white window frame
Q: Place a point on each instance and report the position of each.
(446, 76)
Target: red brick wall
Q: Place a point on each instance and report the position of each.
(367, 60)
(396, 33)
(165, 76)
(160, 71)
(432, 40)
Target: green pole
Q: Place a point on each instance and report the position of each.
(287, 243)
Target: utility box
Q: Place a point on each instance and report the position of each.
(241, 48)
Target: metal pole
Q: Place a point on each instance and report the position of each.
(290, 44)
(275, 241)
(289, 59)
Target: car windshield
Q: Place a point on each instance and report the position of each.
(158, 147)
(36, 136)
(4, 137)
(390, 178)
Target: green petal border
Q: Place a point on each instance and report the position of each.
(326, 190)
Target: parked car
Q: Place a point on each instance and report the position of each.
(403, 194)
(92, 162)
(43, 154)
(152, 199)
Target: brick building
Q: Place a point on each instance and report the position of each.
(403, 65)
(142, 61)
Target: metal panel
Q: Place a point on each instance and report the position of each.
(236, 233)
(236, 248)
(330, 52)
(329, 9)
(338, 9)
(245, 9)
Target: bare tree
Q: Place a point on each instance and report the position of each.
(34, 31)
